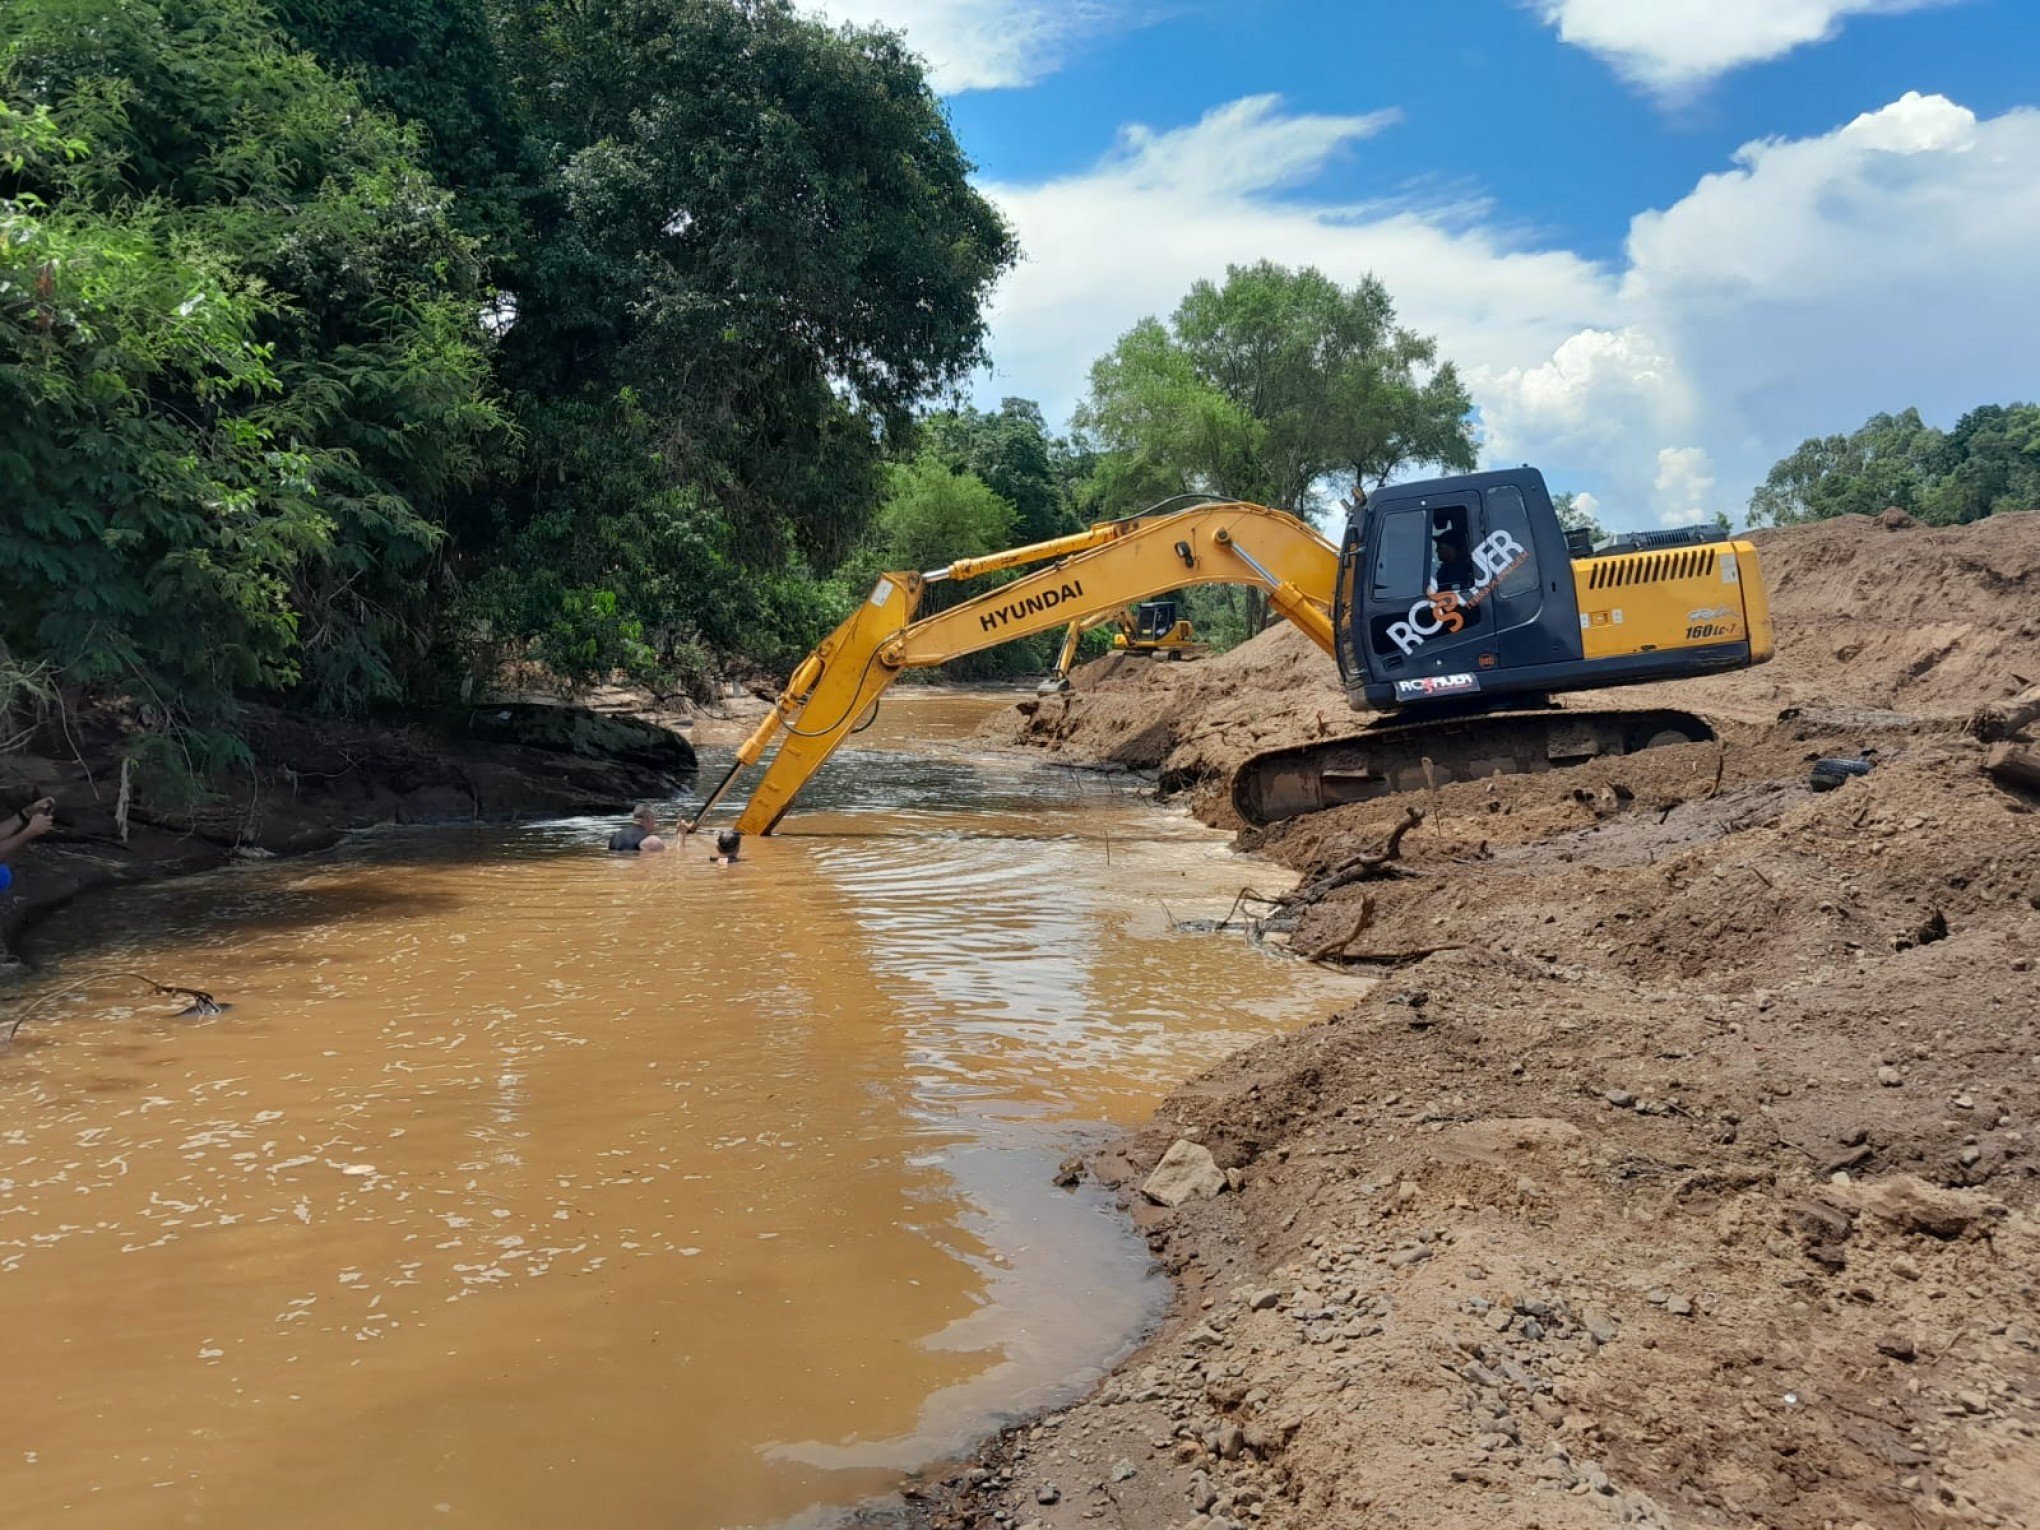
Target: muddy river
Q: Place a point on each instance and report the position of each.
(527, 1185)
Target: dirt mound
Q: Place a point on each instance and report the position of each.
(1923, 622)
(1920, 620)
(1693, 1182)
(1676, 1162)
(1190, 721)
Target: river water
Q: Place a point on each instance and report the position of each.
(524, 1185)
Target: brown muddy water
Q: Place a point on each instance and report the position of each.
(525, 1185)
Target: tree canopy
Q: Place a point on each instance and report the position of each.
(1279, 386)
(346, 349)
(1989, 462)
(239, 358)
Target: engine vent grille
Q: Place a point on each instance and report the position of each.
(1651, 568)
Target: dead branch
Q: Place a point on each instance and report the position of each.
(2004, 719)
(1395, 958)
(1319, 953)
(1246, 895)
(202, 1003)
(29, 1010)
(1361, 868)
(2014, 765)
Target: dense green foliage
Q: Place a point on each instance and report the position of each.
(239, 370)
(1279, 387)
(1989, 462)
(348, 348)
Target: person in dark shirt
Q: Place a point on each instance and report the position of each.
(640, 834)
(1455, 569)
(29, 825)
(727, 843)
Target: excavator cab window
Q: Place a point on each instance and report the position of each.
(1156, 619)
(1449, 579)
(1423, 570)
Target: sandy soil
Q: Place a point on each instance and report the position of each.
(1694, 1184)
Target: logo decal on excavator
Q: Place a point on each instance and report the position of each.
(1445, 610)
(1436, 685)
(1047, 600)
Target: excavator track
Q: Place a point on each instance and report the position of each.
(1404, 757)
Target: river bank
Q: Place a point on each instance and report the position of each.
(1693, 1185)
(309, 781)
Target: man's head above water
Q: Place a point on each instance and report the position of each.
(727, 843)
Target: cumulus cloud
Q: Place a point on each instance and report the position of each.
(1125, 239)
(1676, 46)
(1805, 286)
(1684, 490)
(992, 44)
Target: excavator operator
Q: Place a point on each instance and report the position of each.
(1455, 568)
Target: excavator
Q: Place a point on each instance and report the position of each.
(1457, 610)
(1152, 628)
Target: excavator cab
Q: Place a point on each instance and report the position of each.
(1455, 594)
(1159, 629)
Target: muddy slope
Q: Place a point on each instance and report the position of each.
(1694, 1182)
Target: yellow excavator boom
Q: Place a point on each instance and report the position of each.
(1112, 565)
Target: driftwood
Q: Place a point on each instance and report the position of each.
(2015, 765)
(1361, 868)
(1396, 958)
(1332, 947)
(202, 1003)
(2004, 719)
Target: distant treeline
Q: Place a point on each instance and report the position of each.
(1990, 462)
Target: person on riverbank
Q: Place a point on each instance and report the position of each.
(640, 835)
(727, 843)
(30, 824)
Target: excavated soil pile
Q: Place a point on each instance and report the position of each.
(1676, 1162)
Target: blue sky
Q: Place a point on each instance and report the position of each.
(1664, 239)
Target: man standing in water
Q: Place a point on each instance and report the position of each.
(31, 823)
(727, 843)
(640, 834)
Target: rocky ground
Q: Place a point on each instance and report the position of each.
(309, 782)
(1689, 1179)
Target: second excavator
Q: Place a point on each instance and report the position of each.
(1457, 609)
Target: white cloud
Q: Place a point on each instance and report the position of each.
(1126, 238)
(1675, 46)
(992, 44)
(1684, 490)
(1810, 284)
(1598, 388)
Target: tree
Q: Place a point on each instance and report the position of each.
(1279, 386)
(240, 365)
(1992, 464)
(933, 515)
(751, 250)
(1573, 517)
(1889, 461)
(1016, 457)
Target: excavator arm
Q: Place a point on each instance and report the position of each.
(1094, 572)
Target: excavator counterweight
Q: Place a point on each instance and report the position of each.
(1455, 608)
